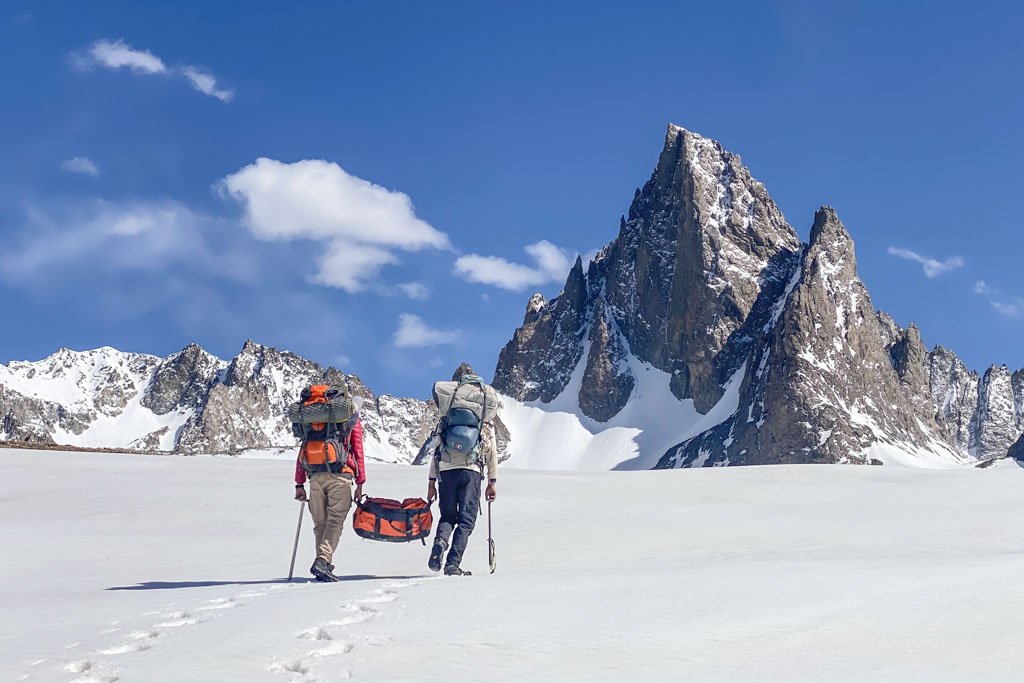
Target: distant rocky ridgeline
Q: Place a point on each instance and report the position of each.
(706, 281)
(190, 402)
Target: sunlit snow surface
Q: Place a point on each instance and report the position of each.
(558, 436)
(165, 568)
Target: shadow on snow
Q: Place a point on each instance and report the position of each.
(167, 585)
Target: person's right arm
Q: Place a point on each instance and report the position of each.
(490, 461)
(300, 481)
(432, 445)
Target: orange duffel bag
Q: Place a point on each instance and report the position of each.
(383, 519)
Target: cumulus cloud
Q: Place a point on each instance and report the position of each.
(415, 290)
(82, 165)
(361, 224)
(120, 55)
(932, 267)
(413, 332)
(551, 264)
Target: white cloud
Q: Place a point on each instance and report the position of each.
(981, 287)
(412, 332)
(932, 267)
(120, 55)
(415, 290)
(351, 266)
(133, 235)
(551, 265)
(362, 224)
(83, 165)
(205, 82)
(1009, 310)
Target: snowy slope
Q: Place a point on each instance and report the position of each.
(775, 573)
(559, 436)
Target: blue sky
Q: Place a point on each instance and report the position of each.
(311, 177)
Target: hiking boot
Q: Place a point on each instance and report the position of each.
(329, 566)
(323, 570)
(453, 570)
(436, 554)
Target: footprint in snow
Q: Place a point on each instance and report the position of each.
(315, 634)
(381, 595)
(295, 667)
(95, 678)
(80, 666)
(219, 603)
(361, 614)
(177, 619)
(337, 647)
(126, 648)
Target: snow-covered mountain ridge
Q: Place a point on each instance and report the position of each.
(706, 333)
(190, 402)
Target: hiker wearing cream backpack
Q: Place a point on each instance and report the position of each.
(464, 450)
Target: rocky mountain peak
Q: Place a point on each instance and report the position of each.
(700, 230)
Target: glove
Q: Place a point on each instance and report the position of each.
(431, 492)
(300, 492)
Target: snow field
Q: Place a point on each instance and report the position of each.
(150, 568)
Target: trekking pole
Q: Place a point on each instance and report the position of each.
(295, 548)
(492, 560)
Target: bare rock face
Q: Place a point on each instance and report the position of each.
(953, 391)
(995, 426)
(405, 423)
(1017, 450)
(182, 381)
(552, 333)
(245, 408)
(824, 387)
(607, 379)
(701, 249)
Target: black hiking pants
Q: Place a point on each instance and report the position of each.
(459, 498)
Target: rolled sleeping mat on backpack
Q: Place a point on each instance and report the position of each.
(338, 409)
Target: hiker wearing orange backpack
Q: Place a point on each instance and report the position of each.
(331, 459)
(464, 447)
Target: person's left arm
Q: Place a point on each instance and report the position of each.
(357, 453)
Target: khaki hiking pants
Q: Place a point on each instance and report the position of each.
(330, 498)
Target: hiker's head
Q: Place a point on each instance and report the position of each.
(464, 369)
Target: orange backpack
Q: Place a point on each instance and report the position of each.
(323, 443)
(383, 519)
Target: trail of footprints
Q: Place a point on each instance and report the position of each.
(356, 611)
(97, 669)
